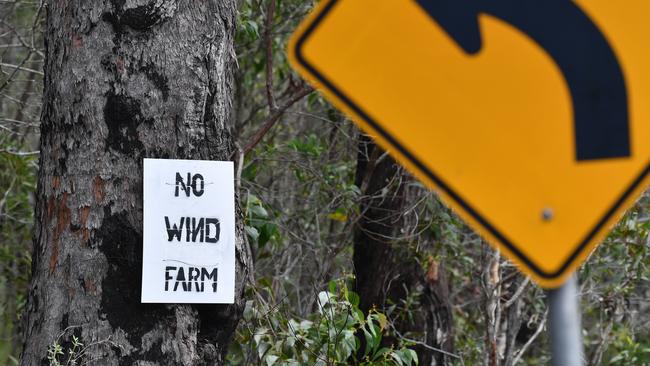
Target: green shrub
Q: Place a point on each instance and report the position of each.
(337, 333)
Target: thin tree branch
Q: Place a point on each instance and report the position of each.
(517, 294)
(274, 117)
(531, 339)
(268, 43)
(240, 167)
(24, 43)
(425, 345)
(22, 68)
(20, 153)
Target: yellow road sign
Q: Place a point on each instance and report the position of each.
(530, 118)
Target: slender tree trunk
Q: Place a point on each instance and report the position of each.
(386, 269)
(125, 80)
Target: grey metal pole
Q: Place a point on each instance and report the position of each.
(564, 324)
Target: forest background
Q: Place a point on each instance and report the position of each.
(347, 247)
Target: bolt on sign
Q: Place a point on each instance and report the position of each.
(529, 118)
(189, 232)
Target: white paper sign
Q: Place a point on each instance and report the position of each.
(189, 232)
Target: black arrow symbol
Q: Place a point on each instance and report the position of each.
(588, 63)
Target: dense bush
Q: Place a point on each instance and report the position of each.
(337, 333)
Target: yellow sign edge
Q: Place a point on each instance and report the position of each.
(554, 280)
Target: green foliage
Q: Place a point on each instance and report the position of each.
(20, 107)
(309, 146)
(259, 225)
(336, 333)
(72, 356)
(17, 184)
(630, 351)
(615, 283)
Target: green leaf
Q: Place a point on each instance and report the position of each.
(251, 28)
(252, 233)
(258, 211)
(414, 356)
(248, 311)
(381, 319)
(270, 359)
(380, 353)
(332, 286)
(370, 342)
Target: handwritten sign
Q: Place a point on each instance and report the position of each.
(189, 232)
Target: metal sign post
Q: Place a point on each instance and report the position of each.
(564, 326)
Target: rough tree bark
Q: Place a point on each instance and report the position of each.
(385, 270)
(125, 80)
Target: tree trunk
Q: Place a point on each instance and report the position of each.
(386, 269)
(125, 80)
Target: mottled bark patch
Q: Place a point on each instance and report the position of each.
(123, 115)
(77, 41)
(120, 304)
(84, 212)
(50, 207)
(54, 257)
(82, 226)
(141, 16)
(89, 286)
(159, 80)
(62, 213)
(218, 322)
(152, 352)
(62, 217)
(98, 189)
